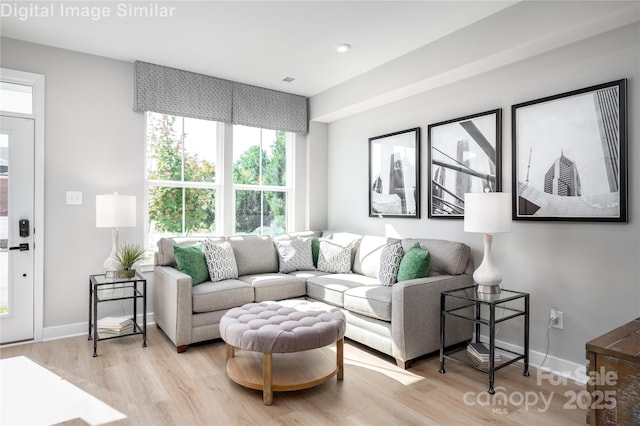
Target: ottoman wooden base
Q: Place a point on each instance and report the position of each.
(284, 371)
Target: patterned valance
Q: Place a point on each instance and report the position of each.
(183, 93)
(177, 92)
(269, 109)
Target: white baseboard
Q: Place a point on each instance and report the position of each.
(78, 329)
(568, 370)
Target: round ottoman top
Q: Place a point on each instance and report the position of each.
(282, 327)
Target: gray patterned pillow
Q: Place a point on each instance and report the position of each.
(295, 255)
(390, 263)
(220, 261)
(334, 258)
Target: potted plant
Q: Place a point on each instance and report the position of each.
(128, 255)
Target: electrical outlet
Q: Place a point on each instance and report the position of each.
(556, 318)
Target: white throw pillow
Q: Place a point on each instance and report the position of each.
(334, 258)
(295, 255)
(221, 261)
(390, 263)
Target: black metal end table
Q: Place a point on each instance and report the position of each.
(131, 289)
(469, 297)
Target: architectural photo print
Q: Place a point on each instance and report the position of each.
(569, 154)
(464, 157)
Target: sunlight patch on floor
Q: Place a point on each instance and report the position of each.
(25, 385)
(358, 358)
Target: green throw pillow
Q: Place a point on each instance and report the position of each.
(315, 250)
(191, 261)
(415, 263)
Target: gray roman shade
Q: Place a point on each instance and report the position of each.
(177, 92)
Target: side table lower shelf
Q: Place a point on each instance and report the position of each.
(461, 356)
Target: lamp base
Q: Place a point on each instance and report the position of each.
(488, 288)
(111, 267)
(487, 277)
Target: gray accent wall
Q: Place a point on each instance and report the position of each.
(590, 271)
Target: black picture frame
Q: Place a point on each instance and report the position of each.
(570, 155)
(465, 155)
(394, 174)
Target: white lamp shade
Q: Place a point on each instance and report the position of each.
(487, 212)
(115, 211)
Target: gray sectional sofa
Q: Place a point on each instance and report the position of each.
(401, 320)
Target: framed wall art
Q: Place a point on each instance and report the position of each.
(570, 156)
(394, 174)
(465, 155)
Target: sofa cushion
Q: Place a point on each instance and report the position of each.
(226, 294)
(276, 286)
(220, 261)
(334, 257)
(371, 301)
(330, 288)
(192, 262)
(308, 274)
(415, 263)
(447, 257)
(390, 263)
(295, 255)
(255, 254)
(165, 256)
(369, 254)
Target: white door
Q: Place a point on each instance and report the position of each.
(16, 228)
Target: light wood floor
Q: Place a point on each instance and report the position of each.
(157, 386)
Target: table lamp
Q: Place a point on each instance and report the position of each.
(488, 213)
(114, 211)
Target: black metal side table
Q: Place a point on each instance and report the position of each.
(128, 289)
(471, 298)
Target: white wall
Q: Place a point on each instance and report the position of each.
(94, 143)
(317, 151)
(591, 271)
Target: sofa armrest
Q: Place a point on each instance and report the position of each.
(415, 316)
(172, 304)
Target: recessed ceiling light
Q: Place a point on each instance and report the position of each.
(288, 79)
(342, 47)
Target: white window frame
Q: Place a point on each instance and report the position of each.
(224, 186)
(217, 185)
(288, 189)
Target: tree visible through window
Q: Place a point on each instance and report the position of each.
(260, 180)
(184, 183)
(181, 175)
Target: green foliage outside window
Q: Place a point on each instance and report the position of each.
(258, 211)
(180, 210)
(171, 164)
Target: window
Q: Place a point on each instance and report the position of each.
(260, 170)
(16, 97)
(181, 175)
(185, 184)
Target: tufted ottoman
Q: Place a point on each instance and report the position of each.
(292, 329)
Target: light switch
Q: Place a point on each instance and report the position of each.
(74, 198)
